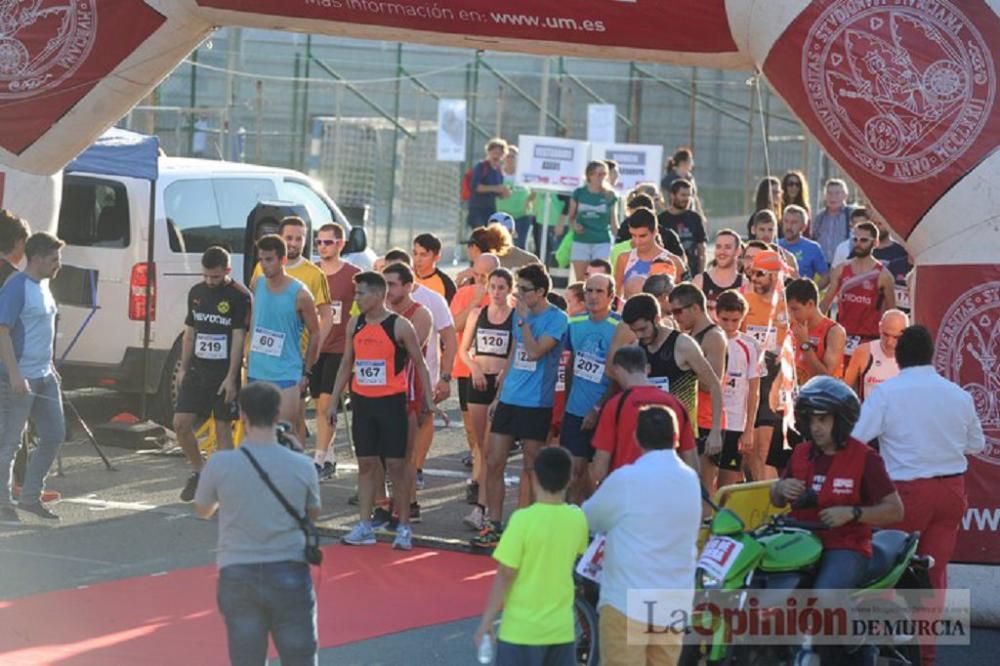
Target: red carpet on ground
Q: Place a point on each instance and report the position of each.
(172, 618)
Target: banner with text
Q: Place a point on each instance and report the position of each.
(549, 163)
(637, 163)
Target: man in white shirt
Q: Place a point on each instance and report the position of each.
(627, 503)
(926, 425)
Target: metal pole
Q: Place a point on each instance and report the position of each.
(295, 145)
(305, 107)
(635, 102)
(691, 111)
(544, 249)
(192, 100)
(395, 143)
(233, 39)
(259, 112)
(747, 183)
(147, 322)
(500, 110)
(543, 103)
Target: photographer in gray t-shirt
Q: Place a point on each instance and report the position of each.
(264, 581)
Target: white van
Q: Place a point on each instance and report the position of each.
(104, 221)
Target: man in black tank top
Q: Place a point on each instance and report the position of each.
(724, 273)
(677, 363)
(688, 308)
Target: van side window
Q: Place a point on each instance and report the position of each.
(205, 212)
(94, 213)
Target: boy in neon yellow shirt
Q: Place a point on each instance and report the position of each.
(534, 581)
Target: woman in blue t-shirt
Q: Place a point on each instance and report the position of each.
(593, 216)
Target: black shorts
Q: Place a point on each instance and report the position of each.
(766, 415)
(574, 439)
(730, 459)
(477, 397)
(324, 374)
(522, 422)
(199, 395)
(463, 392)
(777, 454)
(379, 425)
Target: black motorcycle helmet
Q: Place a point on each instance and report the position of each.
(828, 395)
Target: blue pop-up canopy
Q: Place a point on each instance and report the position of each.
(120, 152)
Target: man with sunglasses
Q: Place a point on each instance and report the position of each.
(340, 282)
(874, 362)
(862, 289)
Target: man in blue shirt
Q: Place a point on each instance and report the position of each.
(526, 390)
(589, 340)
(29, 385)
(809, 254)
(486, 184)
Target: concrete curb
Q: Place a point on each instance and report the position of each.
(983, 583)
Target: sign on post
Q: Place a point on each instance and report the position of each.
(637, 163)
(551, 163)
(451, 130)
(601, 123)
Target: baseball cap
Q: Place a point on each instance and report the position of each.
(506, 220)
(769, 260)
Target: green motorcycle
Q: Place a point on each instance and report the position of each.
(782, 555)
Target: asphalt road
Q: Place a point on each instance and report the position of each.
(130, 522)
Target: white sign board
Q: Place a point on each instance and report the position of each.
(451, 130)
(601, 123)
(637, 163)
(548, 163)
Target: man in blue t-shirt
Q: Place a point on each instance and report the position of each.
(589, 340)
(523, 408)
(808, 253)
(486, 184)
(29, 385)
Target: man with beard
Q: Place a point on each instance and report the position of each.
(862, 287)
(689, 224)
(765, 230)
(896, 259)
(808, 253)
(724, 274)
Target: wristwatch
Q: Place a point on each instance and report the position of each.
(521, 322)
(806, 346)
(856, 513)
(446, 376)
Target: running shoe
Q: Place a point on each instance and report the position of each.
(414, 512)
(381, 519)
(47, 495)
(488, 537)
(327, 472)
(190, 487)
(472, 493)
(360, 535)
(476, 518)
(420, 479)
(38, 509)
(8, 516)
(404, 538)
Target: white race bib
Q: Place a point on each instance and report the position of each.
(521, 360)
(763, 336)
(852, 343)
(589, 367)
(370, 373)
(338, 309)
(591, 565)
(662, 383)
(211, 347)
(267, 342)
(902, 296)
(492, 341)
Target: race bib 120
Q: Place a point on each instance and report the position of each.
(492, 341)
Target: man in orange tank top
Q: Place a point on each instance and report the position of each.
(379, 344)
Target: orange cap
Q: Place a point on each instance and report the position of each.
(768, 260)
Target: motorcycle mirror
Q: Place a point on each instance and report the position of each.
(726, 523)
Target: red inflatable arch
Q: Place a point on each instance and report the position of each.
(901, 93)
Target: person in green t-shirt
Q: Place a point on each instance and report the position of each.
(520, 203)
(593, 216)
(534, 581)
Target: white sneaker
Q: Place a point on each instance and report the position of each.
(404, 538)
(360, 535)
(476, 518)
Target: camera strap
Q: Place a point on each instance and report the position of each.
(308, 529)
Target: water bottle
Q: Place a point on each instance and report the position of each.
(485, 652)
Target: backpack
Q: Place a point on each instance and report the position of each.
(467, 181)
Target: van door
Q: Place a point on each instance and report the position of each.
(95, 223)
